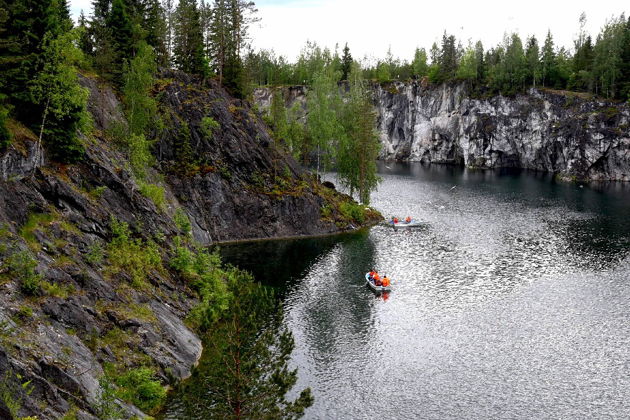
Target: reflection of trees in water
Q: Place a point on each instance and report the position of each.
(332, 309)
(279, 263)
(596, 243)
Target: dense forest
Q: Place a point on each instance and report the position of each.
(598, 65)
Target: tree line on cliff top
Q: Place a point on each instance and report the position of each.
(599, 65)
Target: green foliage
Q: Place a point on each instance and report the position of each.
(359, 145)
(140, 387)
(352, 211)
(245, 368)
(203, 271)
(95, 254)
(188, 53)
(133, 256)
(5, 134)
(35, 221)
(25, 312)
(324, 102)
(64, 102)
(153, 192)
(139, 78)
(419, 64)
(106, 406)
(23, 267)
(182, 221)
(56, 289)
(139, 152)
(208, 126)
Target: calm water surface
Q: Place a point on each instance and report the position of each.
(512, 303)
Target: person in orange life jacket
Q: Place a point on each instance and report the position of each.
(372, 273)
(386, 281)
(408, 219)
(395, 219)
(377, 280)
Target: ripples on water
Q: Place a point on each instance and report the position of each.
(513, 302)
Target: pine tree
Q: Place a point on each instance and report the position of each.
(246, 374)
(188, 45)
(346, 63)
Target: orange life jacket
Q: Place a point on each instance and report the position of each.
(385, 281)
(408, 219)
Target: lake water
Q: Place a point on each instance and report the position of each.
(513, 302)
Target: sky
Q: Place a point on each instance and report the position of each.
(371, 27)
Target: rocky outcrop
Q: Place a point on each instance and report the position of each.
(565, 133)
(559, 132)
(214, 160)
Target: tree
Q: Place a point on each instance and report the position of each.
(419, 66)
(608, 57)
(481, 63)
(358, 146)
(246, 374)
(467, 69)
(532, 61)
(323, 103)
(228, 32)
(548, 61)
(188, 53)
(63, 101)
(514, 65)
(155, 26)
(447, 59)
(346, 63)
(26, 23)
(119, 42)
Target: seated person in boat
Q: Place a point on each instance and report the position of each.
(386, 281)
(408, 219)
(377, 280)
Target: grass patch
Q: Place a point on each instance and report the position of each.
(57, 290)
(154, 193)
(35, 222)
(133, 256)
(23, 267)
(140, 387)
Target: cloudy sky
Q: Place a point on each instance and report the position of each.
(370, 27)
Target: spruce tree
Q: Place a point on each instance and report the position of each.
(188, 45)
(346, 63)
(120, 28)
(532, 61)
(548, 61)
(155, 27)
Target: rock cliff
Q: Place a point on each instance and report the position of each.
(56, 227)
(559, 132)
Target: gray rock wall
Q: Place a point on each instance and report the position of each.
(559, 132)
(547, 131)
